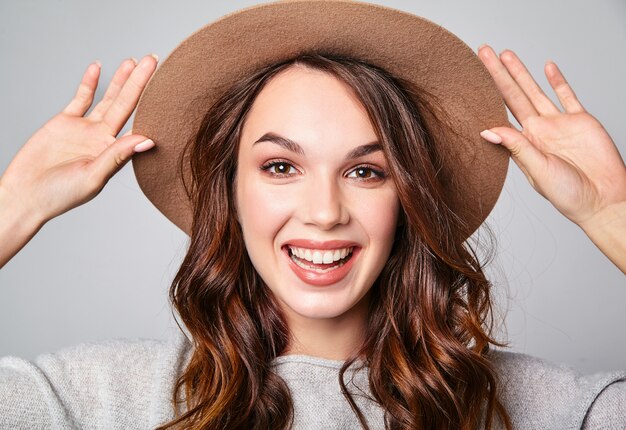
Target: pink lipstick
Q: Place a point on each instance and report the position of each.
(321, 274)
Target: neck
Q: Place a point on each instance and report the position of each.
(331, 338)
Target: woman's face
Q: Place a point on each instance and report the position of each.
(322, 188)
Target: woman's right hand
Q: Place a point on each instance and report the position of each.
(68, 161)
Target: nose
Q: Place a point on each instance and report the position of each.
(323, 204)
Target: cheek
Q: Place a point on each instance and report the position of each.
(378, 214)
(262, 211)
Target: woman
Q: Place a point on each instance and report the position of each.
(228, 371)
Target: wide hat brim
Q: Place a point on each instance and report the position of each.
(209, 61)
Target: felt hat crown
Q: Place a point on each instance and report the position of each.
(408, 46)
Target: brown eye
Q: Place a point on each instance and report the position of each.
(365, 173)
(277, 168)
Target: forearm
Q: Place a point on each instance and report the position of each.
(17, 226)
(608, 231)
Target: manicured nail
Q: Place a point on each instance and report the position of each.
(144, 146)
(155, 56)
(491, 136)
(134, 60)
(98, 63)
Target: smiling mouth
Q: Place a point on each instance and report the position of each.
(319, 268)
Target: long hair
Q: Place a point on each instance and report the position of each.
(430, 313)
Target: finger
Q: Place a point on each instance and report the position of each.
(535, 94)
(564, 92)
(125, 102)
(531, 161)
(114, 157)
(120, 77)
(84, 95)
(519, 105)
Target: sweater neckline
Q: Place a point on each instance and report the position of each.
(295, 358)
(316, 361)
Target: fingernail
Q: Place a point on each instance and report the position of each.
(155, 56)
(491, 136)
(144, 146)
(134, 60)
(98, 63)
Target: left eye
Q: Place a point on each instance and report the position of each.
(366, 171)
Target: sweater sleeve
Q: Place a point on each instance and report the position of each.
(27, 401)
(541, 394)
(608, 411)
(114, 384)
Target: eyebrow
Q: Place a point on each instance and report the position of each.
(293, 146)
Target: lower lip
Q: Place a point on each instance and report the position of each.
(322, 279)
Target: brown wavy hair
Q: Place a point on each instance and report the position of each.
(430, 313)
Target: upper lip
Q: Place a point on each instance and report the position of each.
(316, 244)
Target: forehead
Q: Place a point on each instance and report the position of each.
(308, 106)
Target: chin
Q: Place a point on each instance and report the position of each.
(319, 307)
(322, 314)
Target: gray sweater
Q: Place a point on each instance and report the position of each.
(127, 384)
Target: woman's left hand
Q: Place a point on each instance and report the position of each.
(568, 157)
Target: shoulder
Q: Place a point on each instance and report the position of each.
(539, 393)
(113, 355)
(97, 383)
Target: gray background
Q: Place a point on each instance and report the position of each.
(103, 269)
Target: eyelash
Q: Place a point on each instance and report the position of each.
(267, 166)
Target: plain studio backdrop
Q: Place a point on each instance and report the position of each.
(103, 270)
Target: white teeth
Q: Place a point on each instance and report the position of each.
(317, 269)
(328, 257)
(321, 256)
(317, 257)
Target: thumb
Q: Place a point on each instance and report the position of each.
(531, 161)
(116, 155)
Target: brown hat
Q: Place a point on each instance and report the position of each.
(410, 47)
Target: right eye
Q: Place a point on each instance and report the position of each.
(281, 165)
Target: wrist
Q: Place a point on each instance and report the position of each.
(14, 212)
(607, 230)
(609, 220)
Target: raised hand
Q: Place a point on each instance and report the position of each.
(68, 161)
(568, 157)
